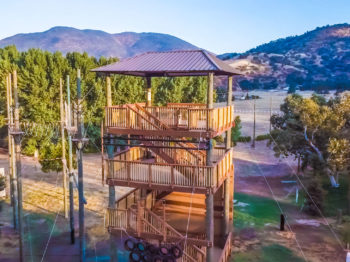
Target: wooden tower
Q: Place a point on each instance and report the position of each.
(183, 185)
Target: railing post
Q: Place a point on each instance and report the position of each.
(172, 177)
(149, 175)
(164, 223)
(128, 171)
(138, 219)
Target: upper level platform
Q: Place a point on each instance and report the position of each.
(186, 173)
(173, 120)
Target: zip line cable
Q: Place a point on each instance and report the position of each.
(307, 192)
(279, 206)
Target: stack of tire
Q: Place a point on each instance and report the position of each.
(142, 251)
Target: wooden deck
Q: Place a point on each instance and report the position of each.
(128, 170)
(178, 120)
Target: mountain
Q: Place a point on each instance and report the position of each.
(96, 43)
(318, 59)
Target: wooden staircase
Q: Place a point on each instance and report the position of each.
(141, 222)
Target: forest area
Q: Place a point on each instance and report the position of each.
(39, 74)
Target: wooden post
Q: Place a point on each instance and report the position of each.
(254, 125)
(12, 169)
(108, 90)
(80, 172)
(138, 219)
(149, 91)
(164, 222)
(209, 224)
(227, 189)
(229, 103)
(102, 154)
(70, 166)
(210, 105)
(64, 162)
(18, 137)
(270, 113)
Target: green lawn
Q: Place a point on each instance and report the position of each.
(271, 253)
(254, 211)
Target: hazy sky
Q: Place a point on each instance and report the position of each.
(218, 26)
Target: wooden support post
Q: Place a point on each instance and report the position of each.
(138, 219)
(227, 189)
(108, 90)
(149, 91)
(18, 137)
(64, 162)
(12, 169)
(70, 166)
(270, 113)
(80, 172)
(164, 222)
(229, 103)
(209, 224)
(111, 188)
(210, 105)
(102, 154)
(254, 125)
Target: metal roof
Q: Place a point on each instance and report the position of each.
(171, 63)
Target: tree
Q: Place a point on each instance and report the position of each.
(304, 127)
(236, 130)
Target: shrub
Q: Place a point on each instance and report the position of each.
(262, 137)
(317, 195)
(244, 139)
(2, 183)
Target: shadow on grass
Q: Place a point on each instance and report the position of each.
(271, 253)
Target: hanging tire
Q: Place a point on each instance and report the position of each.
(169, 259)
(147, 257)
(176, 251)
(135, 256)
(129, 244)
(152, 249)
(163, 250)
(157, 258)
(141, 246)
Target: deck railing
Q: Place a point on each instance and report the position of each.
(226, 252)
(176, 117)
(170, 175)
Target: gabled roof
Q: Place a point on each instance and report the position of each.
(172, 63)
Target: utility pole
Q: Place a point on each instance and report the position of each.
(253, 144)
(13, 189)
(70, 165)
(18, 136)
(64, 162)
(270, 113)
(80, 144)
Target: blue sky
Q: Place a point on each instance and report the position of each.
(219, 26)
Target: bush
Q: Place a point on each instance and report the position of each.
(244, 139)
(2, 183)
(219, 139)
(262, 137)
(317, 195)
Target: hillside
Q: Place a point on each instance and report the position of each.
(318, 59)
(96, 43)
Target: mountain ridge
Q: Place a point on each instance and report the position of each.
(317, 59)
(96, 42)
